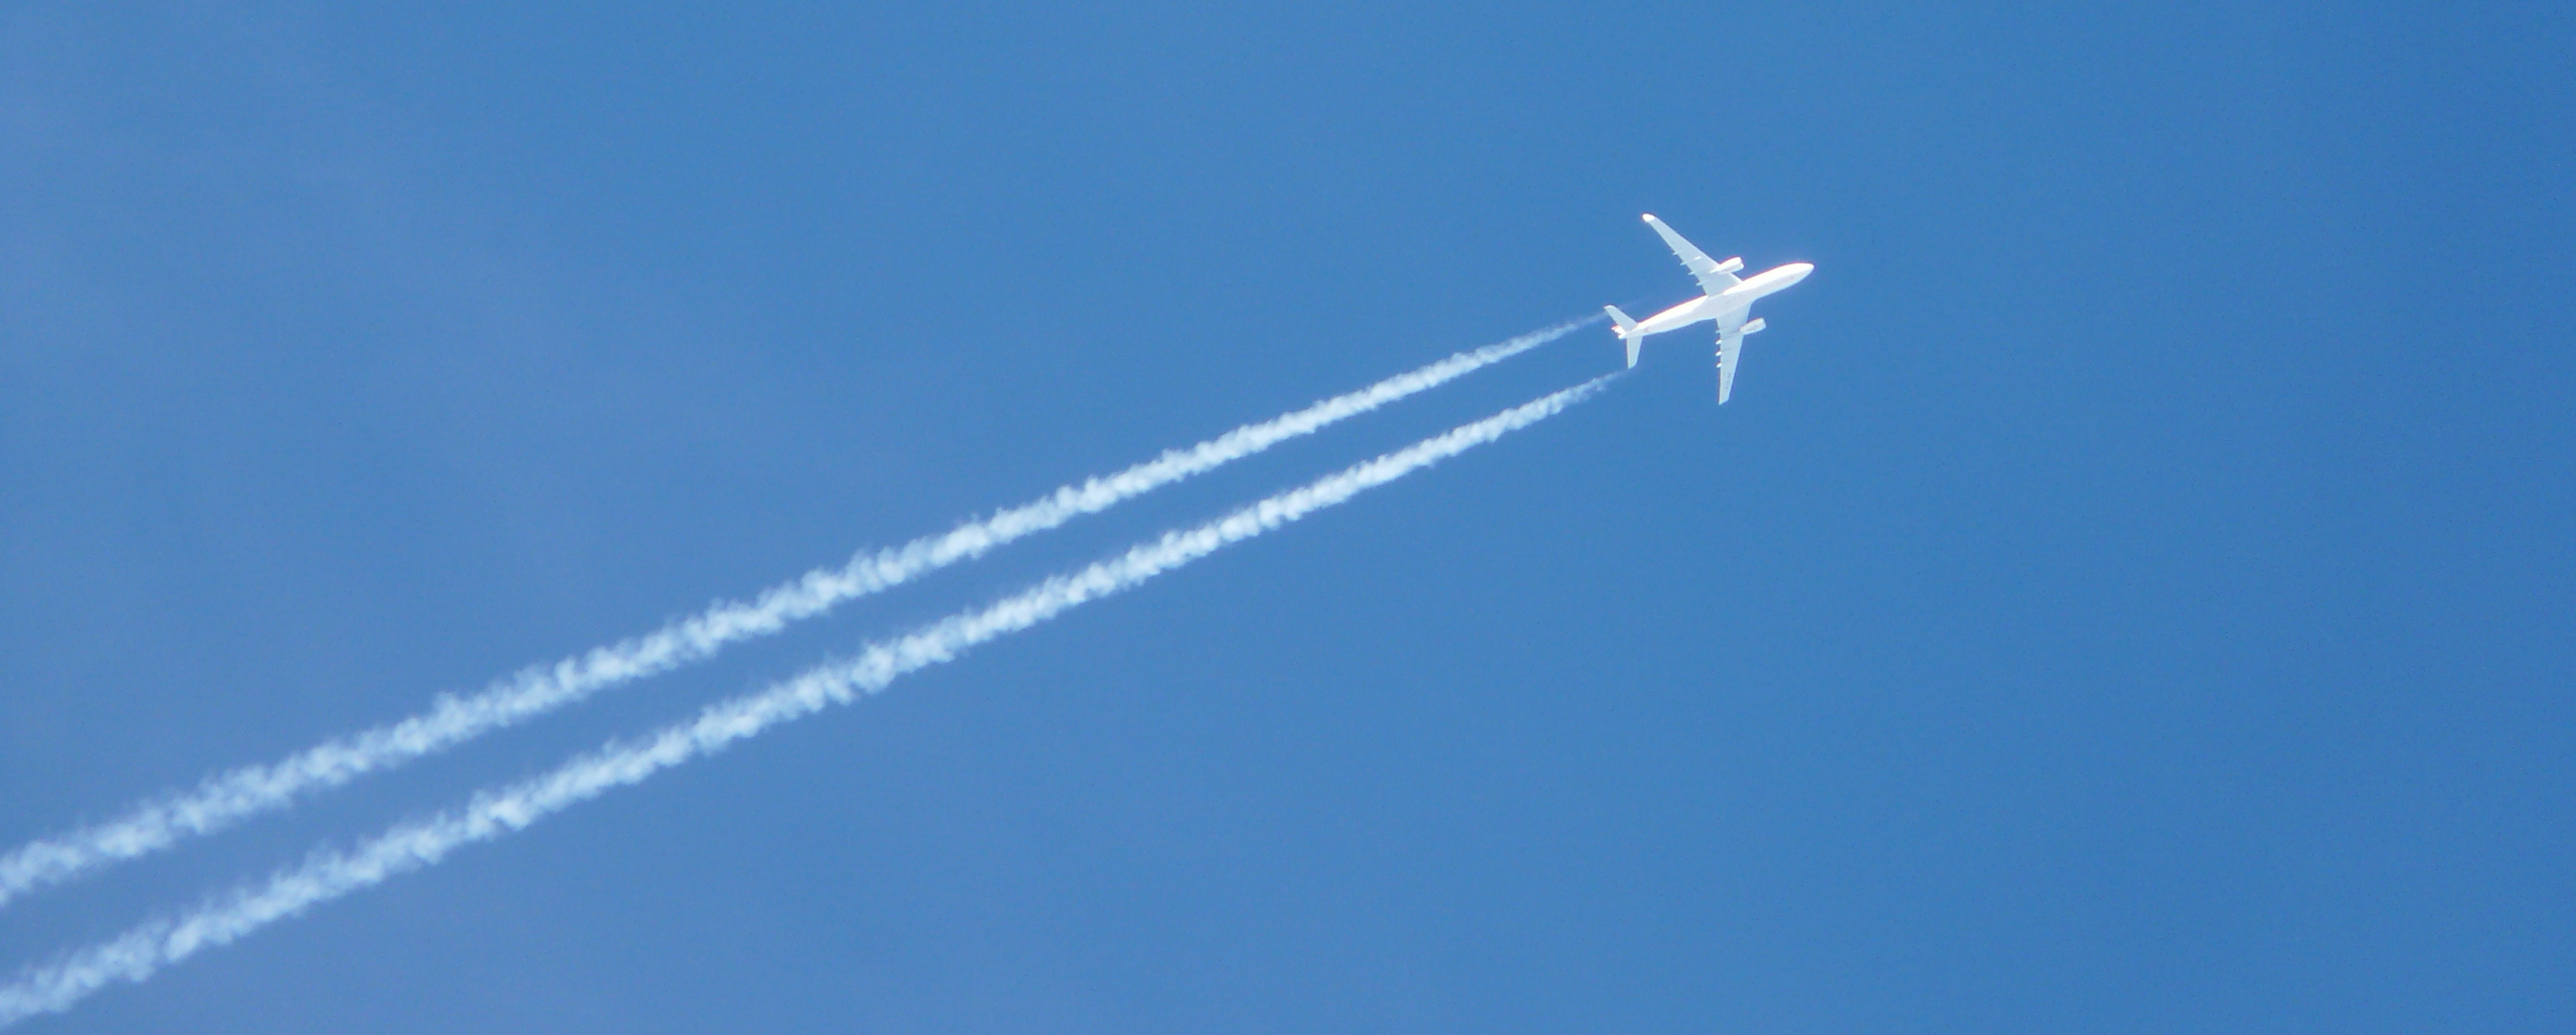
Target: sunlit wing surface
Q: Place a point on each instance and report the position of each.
(1712, 279)
(1730, 342)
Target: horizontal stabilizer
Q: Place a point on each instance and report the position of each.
(1627, 331)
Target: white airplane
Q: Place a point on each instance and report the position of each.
(1727, 301)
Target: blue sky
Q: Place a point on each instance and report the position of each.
(2129, 590)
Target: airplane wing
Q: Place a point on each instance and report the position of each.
(1713, 279)
(1730, 342)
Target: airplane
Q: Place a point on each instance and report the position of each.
(1726, 300)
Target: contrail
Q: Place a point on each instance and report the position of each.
(140, 953)
(228, 798)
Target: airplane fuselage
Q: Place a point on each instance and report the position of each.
(1736, 299)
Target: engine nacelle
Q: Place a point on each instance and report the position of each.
(1754, 324)
(1731, 265)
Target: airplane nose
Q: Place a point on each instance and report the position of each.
(1798, 271)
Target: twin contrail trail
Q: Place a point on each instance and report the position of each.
(140, 953)
(228, 798)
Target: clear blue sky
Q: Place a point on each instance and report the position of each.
(2131, 589)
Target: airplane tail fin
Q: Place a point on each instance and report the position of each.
(1627, 332)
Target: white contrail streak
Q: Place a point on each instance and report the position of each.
(228, 798)
(491, 814)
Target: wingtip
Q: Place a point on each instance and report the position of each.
(1648, 217)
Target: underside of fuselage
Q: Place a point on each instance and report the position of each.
(1736, 302)
(1694, 311)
